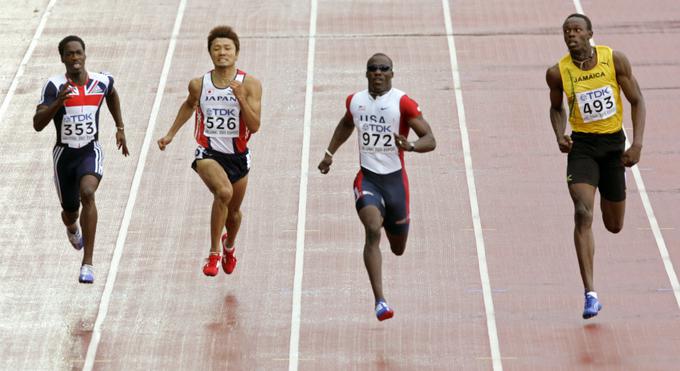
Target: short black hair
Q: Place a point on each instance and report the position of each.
(68, 39)
(226, 32)
(589, 24)
(380, 55)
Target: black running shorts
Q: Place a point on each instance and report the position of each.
(595, 159)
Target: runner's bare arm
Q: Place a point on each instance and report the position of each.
(113, 103)
(45, 113)
(558, 115)
(631, 89)
(425, 141)
(250, 102)
(340, 135)
(185, 111)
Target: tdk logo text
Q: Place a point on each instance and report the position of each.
(222, 112)
(595, 94)
(78, 117)
(377, 128)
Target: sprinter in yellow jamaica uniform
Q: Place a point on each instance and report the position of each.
(592, 78)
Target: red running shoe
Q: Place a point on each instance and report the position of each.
(228, 258)
(210, 268)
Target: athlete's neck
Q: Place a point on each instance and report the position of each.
(377, 93)
(224, 75)
(78, 78)
(583, 58)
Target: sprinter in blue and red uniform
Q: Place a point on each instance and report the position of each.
(383, 117)
(227, 104)
(73, 101)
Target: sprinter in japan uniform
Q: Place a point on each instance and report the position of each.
(383, 117)
(227, 104)
(220, 131)
(73, 102)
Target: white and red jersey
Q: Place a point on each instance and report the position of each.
(377, 120)
(77, 122)
(219, 125)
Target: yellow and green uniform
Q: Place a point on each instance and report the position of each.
(594, 95)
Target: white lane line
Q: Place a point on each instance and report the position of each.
(25, 59)
(293, 354)
(136, 180)
(472, 192)
(656, 231)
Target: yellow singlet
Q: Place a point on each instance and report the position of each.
(594, 96)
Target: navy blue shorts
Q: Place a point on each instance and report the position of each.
(70, 165)
(236, 166)
(595, 159)
(387, 192)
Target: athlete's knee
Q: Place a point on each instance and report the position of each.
(583, 215)
(613, 226)
(398, 249)
(223, 194)
(87, 195)
(372, 233)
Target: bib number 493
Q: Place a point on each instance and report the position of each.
(597, 104)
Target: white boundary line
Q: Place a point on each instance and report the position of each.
(656, 231)
(25, 59)
(122, 234)
(293, 355)
(472, 192)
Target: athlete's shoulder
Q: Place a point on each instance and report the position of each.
(251, 81)
(56, 80)
(102, 76)
(553, 76)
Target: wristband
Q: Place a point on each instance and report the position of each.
(329, 153)
(120, 128)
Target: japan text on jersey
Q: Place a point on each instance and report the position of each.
(219, 125)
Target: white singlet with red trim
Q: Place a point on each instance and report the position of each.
(377, 121)
(219, 125)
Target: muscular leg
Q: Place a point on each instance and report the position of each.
(234, 215)
(70, 218)
(397, 242)
(583, 196)
(215, 178)
(612, 214)
(372, 221)
(88, 217)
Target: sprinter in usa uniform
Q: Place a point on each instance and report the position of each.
(382, 116)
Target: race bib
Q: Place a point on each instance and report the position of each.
(78, 129)
(597, 104)
(376, 138)
(222, 123)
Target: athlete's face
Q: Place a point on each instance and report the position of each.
(576, 34)
(223, 52)
(379, 74)
(73, 57)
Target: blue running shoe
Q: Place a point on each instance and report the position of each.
(591, 307)
(86, 274)
(76, 239)
(382, 311)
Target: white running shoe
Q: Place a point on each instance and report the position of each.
(76, 239)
